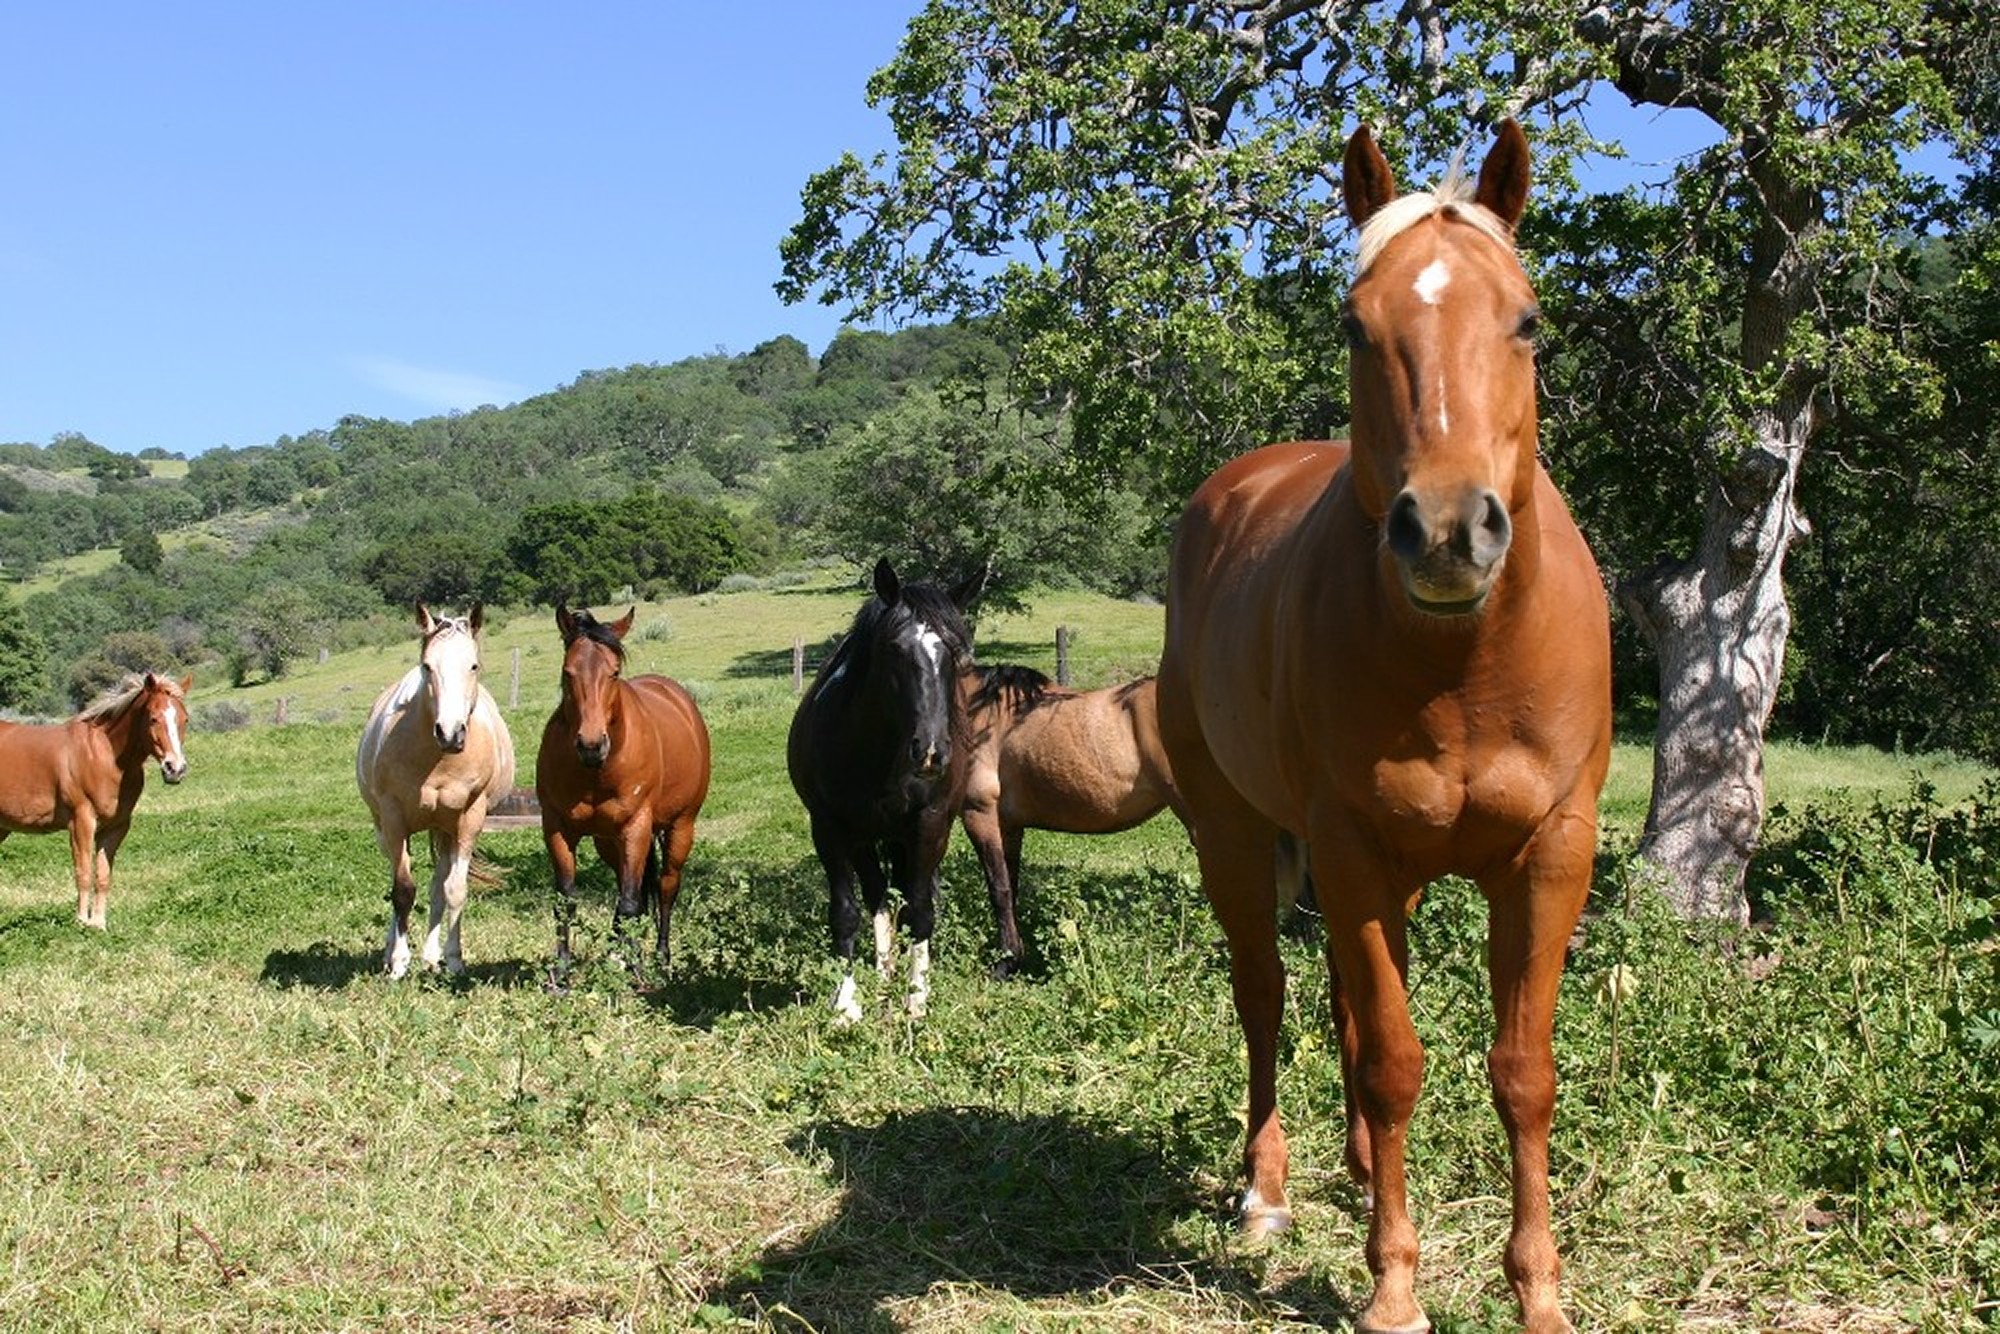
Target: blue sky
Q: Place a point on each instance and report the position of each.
(225, 222)
(221, 223)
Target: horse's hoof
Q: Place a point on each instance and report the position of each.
(1005, 968)
(846, 1009)
(1369, 1323)
(1256, 1220)
(916, 1008)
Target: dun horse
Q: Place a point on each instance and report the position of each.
(86, 775)
(877, 753)
(626, 763)
(1398, 650)
(434, 754)
(1046, 757)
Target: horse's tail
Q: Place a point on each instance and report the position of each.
(485, 872)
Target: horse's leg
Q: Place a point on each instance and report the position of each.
(1360, 1157)
(875, 897)
(676, 842)
(982, 827)
(919, 885)
(1235, 853)
(1532, 911)
(83, 860)
(843, 918)
(1366, 907)
(562, 863)
(109, 836)
(395, 843)
(451, 853)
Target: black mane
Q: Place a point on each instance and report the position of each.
(589, 627)
(1010, 682)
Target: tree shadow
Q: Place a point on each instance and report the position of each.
(776, 663)
(1035, 1205)
(324, 966)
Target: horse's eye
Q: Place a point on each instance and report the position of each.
(1531, 325)
(1357, 333)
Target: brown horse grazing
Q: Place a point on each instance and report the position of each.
(434, 753)
(1047, 757)
(1399, 650)
(86, 775)
(625, 762)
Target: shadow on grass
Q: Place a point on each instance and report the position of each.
(776, 664)
(1036, 1206)
(324, 966)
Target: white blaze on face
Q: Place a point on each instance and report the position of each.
(170, 717)
(1432, 281)
(1429, 287)
(933, 644)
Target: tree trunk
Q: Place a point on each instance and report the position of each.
(1719, 621)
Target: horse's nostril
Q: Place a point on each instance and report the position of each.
(1492, 531)
(1404, 528)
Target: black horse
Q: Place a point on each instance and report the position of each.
(877, 753)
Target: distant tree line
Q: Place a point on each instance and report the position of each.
(641, 481)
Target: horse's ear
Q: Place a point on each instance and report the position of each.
(623, 625)
(1503, 177)
(565, 623)
(187, 683)
(151, 682)
(971, 588)
(425, 621)
(887, 587)
(1365, 179)
(476, 617)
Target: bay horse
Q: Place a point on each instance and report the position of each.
(85, 775)
(434, 754)
(626, 763)
(1397, 648)
(1044, 756)
(877, 752)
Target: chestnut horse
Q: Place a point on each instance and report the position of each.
(1398, 649)
(1047, 757)
(86, 775)
(435, 752)
(627, 763)
(877, 753)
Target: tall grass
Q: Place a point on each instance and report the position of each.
(219, 1115)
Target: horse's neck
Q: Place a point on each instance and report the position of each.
(123, 736)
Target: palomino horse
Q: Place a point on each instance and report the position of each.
(877, 753)
(86, 775)
(625, 762)
(1399, 650)
(435, 752)
(1046, 757)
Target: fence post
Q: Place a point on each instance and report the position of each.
(324, 654)
(798, 664)
(284, 711)
(514, 685)
(1062, 655)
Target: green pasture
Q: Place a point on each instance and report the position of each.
(220, 1115)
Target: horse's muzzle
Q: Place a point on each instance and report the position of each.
(593, 754)
(173, 772)
(451, 741)
(1449, 552)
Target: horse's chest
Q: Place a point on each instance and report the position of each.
(1465, 809)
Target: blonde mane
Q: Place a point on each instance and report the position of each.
(1452, 196)
(114, 701)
